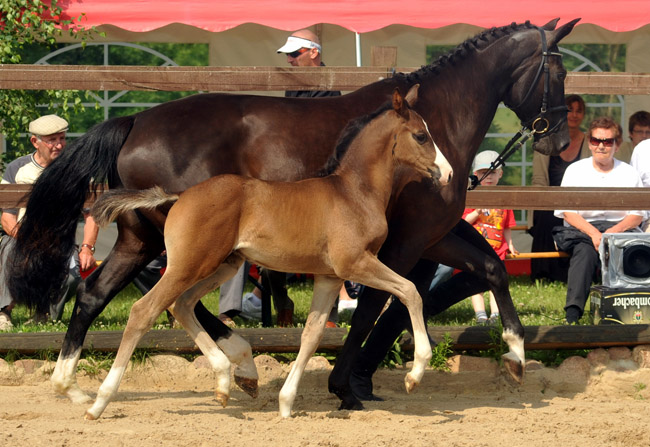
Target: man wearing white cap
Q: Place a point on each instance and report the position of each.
(48, 136)
(303, 49)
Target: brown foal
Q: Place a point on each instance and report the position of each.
(332, 227)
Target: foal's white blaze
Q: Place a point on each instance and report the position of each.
(64, 379)
(446, 171)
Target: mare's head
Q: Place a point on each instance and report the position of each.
(413, 144)
(537, 92)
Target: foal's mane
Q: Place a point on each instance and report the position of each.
(348, 134)
(471, 45)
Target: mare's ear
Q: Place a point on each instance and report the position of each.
(550, 26)
(563, 31)
(412, 95)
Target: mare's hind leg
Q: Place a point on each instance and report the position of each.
(128, 256)
(326, 289)
(233, 346)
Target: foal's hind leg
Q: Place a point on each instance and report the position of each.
(143, 314)
(325, 290)
(235, 348)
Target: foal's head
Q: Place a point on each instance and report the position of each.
(413, 144)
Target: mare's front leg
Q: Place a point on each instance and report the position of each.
(326, 289)
(116, 272)
(464, 248)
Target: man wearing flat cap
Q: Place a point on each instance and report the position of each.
(48, 135)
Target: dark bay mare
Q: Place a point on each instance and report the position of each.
(331, 226)
(180, 143)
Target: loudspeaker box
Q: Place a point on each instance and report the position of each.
(625, 259)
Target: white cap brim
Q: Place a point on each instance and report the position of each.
(296, 43)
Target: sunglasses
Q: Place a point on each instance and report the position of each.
(607, 142)
(297, 53)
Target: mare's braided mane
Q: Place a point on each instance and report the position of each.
(479, 41)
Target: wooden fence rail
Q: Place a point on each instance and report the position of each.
(513, 197)
(288, 339)
(230, 79)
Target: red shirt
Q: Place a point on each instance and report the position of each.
(491, 226)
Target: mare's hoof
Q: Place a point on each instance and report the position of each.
(515, 368)
(370, 397)
(249, 386)
(410, 383)
(361, 387)
(355, 405)
(221, 398)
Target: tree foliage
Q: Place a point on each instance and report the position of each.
(23, 25)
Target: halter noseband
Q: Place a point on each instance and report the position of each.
(538, 124)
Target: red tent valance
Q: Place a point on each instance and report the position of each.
(355, 15)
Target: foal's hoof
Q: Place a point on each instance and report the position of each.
(249, 386)
(515, 367)
(410, 383)
(221, 398)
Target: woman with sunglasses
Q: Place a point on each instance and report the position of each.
(582, 231)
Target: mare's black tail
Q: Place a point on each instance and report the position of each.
(46, 235)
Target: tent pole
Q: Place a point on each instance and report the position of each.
(357, 38)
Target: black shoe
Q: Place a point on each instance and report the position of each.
(361, 387)
(572, 315)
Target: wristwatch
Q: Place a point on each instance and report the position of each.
(91, 247)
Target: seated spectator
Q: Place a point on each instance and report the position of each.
(581, 233)
(548, 171)
(48, 136)
(639, 129)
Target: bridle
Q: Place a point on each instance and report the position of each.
(539, 124)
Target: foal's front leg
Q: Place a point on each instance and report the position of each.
(326, 289)
(374, 274)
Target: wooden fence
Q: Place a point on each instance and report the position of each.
(231, 79)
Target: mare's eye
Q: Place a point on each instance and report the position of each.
(420, 137)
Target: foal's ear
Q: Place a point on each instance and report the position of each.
(398, 103)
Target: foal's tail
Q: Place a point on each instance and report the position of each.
(113, 203)
(46, 236)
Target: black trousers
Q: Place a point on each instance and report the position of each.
(583, 264)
